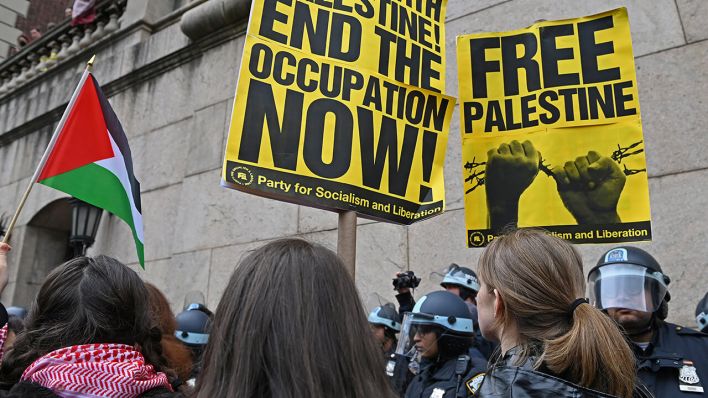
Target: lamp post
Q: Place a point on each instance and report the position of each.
(84, 225)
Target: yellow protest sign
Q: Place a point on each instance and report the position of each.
(551, 131)
(339, 106)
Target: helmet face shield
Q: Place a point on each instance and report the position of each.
(414, 324)
(626, 286)
(406, 344)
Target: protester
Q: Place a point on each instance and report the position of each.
(4, 317)
(4, 276)
(179, 358)
(702, 314)
(15, 325)
(89, 333)
(290, 325)
(629, 284)
(463, 282)
(552, 342)
(442, 331)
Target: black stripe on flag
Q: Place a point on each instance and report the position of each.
(116, 131)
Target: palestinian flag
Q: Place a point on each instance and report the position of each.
(91, 160)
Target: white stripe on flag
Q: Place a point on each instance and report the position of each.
(116, 165)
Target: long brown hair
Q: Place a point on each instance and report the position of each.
(538, 277)
(178, 356)
(86, 300)
(289, 325)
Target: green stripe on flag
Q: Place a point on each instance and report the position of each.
(100, 187)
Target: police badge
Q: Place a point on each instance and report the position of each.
(437, 393)
(688, 378)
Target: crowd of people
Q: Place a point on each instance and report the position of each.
(290, 325)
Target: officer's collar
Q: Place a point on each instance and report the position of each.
(443, 369)
(657, 328)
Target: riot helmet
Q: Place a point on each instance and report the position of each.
(19, 312)
(387, 316)
(462, 277)
(629, 277)
(702, 314)
(193, 326)
(444, 314)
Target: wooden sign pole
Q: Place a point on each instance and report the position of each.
(346, 240)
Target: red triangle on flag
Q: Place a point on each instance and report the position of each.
(84, 138)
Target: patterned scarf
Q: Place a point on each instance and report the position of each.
(3, 338)
(95, 370)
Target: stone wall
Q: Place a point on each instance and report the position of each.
(174, 96)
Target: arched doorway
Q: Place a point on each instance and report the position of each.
(45, 245)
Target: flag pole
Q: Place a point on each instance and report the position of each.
(50, 146)
(346, 240)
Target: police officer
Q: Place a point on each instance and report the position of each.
(385, 324)
(441, 328)
(193, 330)
(630, 286)
(463, 282)
(701, 314)
(19, 312)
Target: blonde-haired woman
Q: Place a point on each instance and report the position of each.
(552, 342)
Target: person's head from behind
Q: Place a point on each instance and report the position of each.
(385, 323)
(441, 326)
(290, 324)
(629, 284)
(22, 40)
(84, 301)
(531, 283)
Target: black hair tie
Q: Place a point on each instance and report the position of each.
(575, 305)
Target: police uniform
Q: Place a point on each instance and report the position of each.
(675, 364)
(441, 379)
(399, 373)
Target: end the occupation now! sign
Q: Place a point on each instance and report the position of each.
(339, 105)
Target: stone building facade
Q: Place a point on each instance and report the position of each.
(170, 73)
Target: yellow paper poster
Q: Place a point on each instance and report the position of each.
(339, 106)
(551, 132)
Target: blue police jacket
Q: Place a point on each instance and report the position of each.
(675, 364)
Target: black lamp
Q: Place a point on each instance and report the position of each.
(84, 225)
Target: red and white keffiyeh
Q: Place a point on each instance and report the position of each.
(3, 338)
(95, 370)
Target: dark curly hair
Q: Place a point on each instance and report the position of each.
(86, 301)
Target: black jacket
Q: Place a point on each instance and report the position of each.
(440, 379)
(674, 349)
(507, 380)
(26, 389)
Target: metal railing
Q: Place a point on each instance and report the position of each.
(58, 45)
